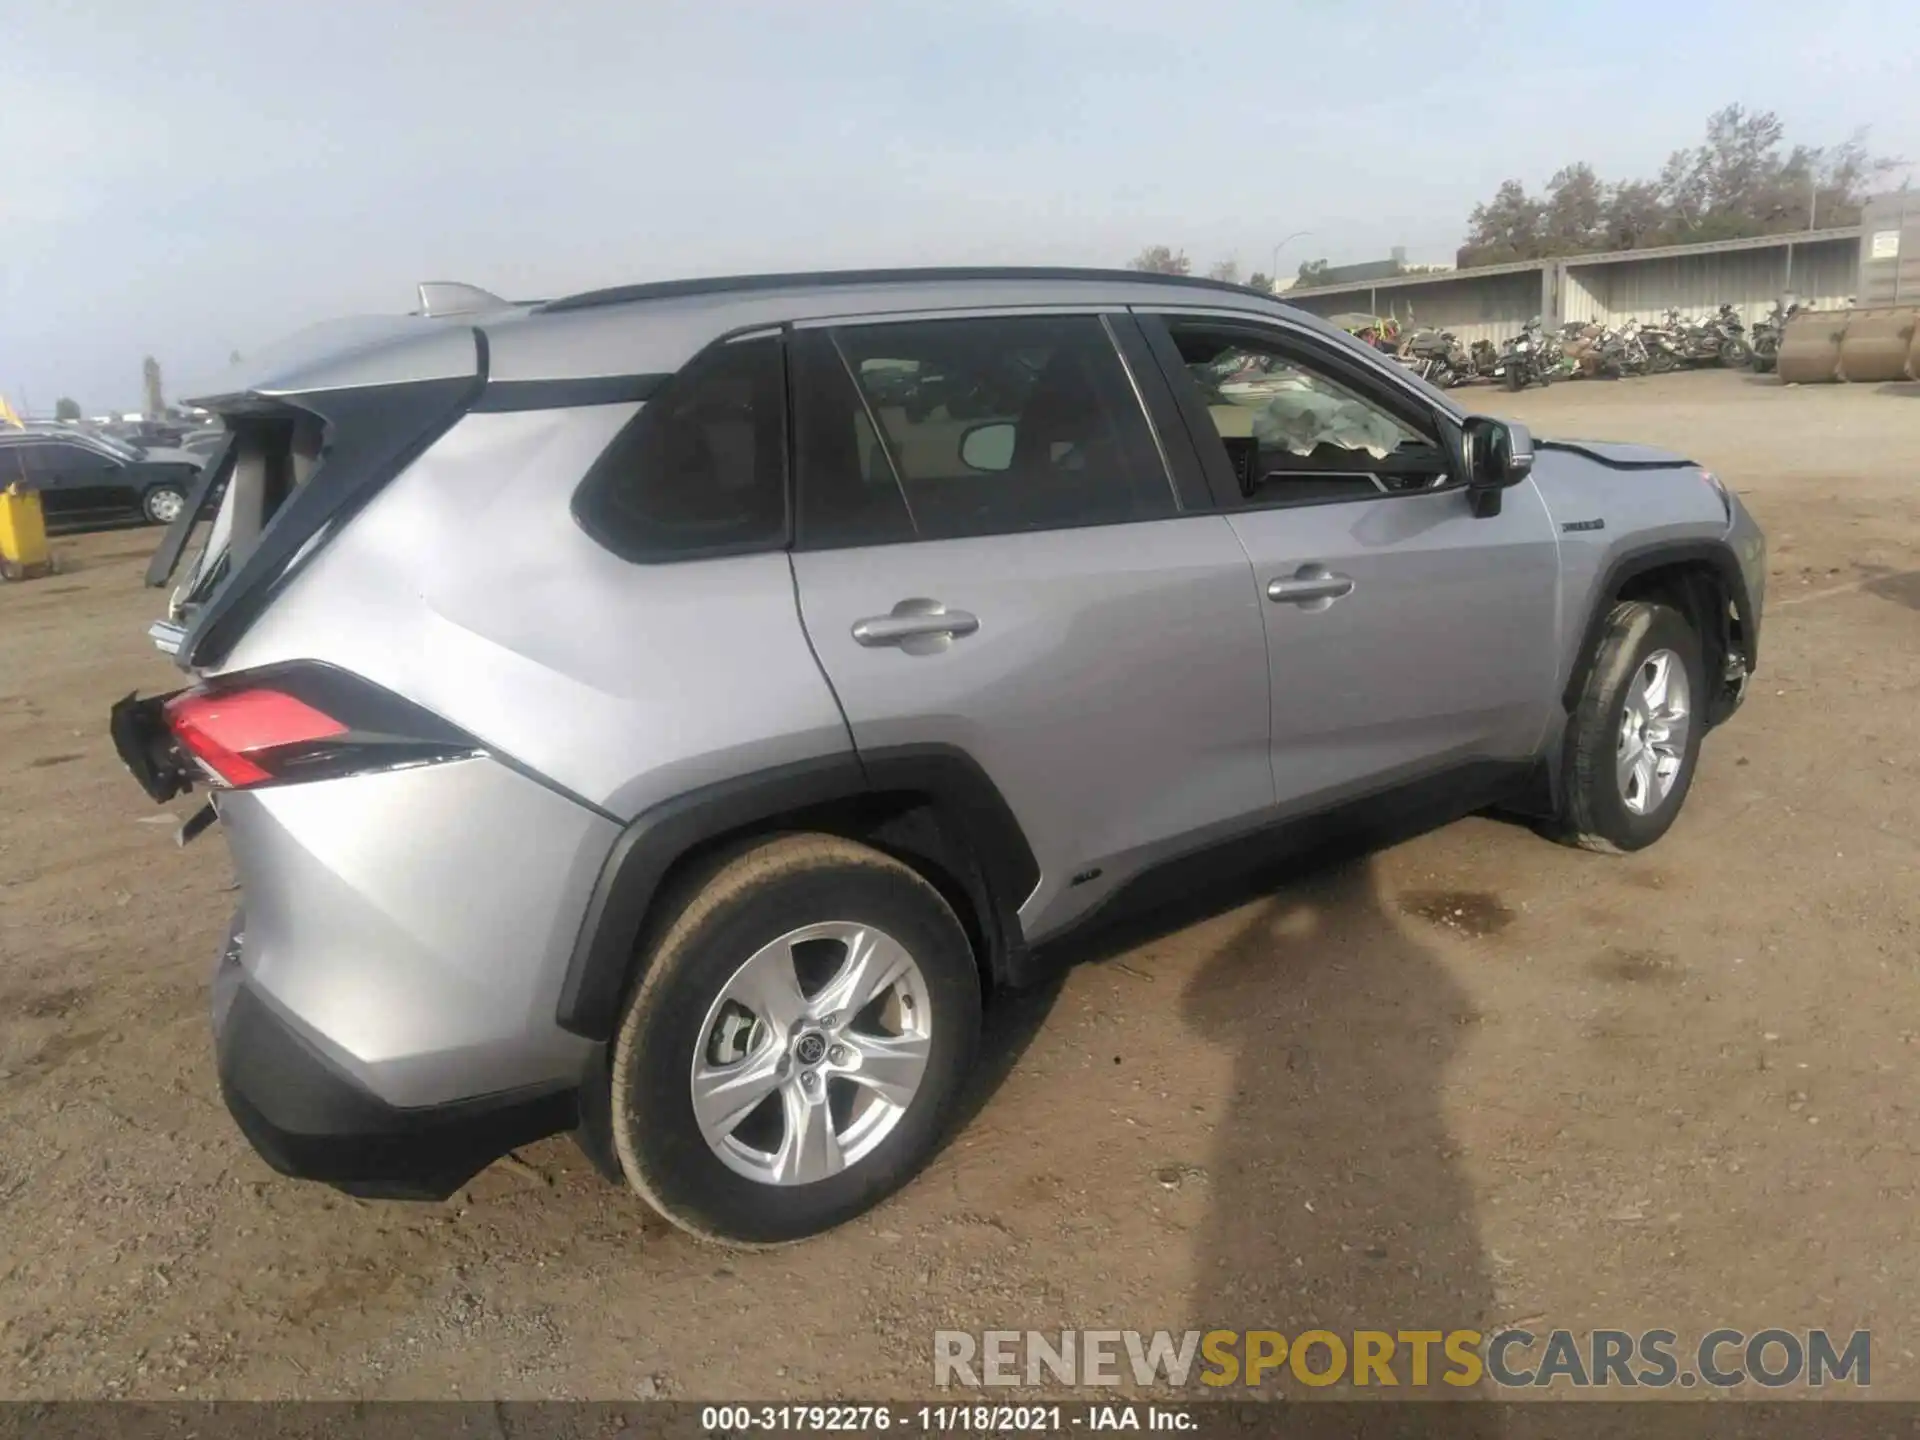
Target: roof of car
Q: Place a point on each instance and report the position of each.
(106, 444)
(923, 275)
(646, 330)
(656, 327)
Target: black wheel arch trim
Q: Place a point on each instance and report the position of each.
(1623, 569)
(945, 778)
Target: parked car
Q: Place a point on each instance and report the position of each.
(627, 727)
(87, 479)
(143, 434)
(203, 442)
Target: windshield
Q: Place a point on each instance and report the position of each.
(116, 447)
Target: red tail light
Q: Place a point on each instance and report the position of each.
(237, 734)
(297, 721)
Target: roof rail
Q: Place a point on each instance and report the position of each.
(733, 284)
(439, 298)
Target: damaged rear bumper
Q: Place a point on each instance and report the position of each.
(308, 1120)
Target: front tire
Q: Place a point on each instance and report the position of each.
(1662, 362)
(162, 504)
(1634, 739)
(808, 1014)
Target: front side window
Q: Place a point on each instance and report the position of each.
(701, 470)
(972, 427)
(1294, 434)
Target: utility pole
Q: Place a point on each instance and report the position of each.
(1273, 267)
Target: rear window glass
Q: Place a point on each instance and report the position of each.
(701, 470)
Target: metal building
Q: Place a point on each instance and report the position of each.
(1492, 302)
(1890, 250)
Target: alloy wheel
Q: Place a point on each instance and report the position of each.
(812, 1053)
(1653, 732)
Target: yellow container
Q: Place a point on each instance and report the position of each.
(23, 535)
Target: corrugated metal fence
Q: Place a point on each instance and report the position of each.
(1822, 273)
(1821, 269)
(1490, 307)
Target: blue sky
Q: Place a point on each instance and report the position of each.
(200, 176)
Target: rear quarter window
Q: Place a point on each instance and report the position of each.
(701, 470)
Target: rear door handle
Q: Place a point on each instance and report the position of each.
(1309, 584)
(919, 627)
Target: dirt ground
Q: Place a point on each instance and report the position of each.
(1472, 1080)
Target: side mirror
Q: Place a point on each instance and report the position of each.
(1498, 454)
(988, 447)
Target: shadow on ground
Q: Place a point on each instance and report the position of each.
(1336, 1201)
(1900, 586)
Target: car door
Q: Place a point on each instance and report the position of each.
(992, 556)
(1404, 634)
(39, 465)
(81, 483)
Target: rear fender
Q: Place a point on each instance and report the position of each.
(970, 821)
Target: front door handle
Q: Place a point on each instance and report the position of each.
(1308, 585)
(919, 627)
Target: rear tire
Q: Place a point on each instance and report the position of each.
(162, 504)
(725, 1008)
(1661, 362)
(1630, 763)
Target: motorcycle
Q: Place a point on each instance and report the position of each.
(1551, 352)
(1730, 338)
(1595, 351)
(1631, 350)
(1520, 364)
(1665, 345)
(1764, 343)
(1485, 359)
(1437, 357)
(1720, 340)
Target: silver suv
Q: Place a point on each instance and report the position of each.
(667, 714)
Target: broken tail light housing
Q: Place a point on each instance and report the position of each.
(304, 722)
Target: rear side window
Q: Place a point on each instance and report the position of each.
(972, 427)
(701, 470)
(27, 463)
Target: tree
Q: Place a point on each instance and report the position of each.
(1312, 272)
(1736, 183)
(66, 408)
(1260, 280)
(233, 358)
(1634, 216)
(1159, 260)
(150, 385)
(1572, 218)
(1227, 270)
(1506, 228)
